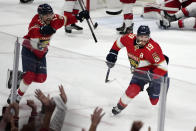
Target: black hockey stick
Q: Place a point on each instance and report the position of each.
(114, 12)
(94, 25)
(93, 34)
(107, 75)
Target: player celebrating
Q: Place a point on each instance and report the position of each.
(145, 57)
(71, 8)
(35, 46)
(183, 19)
(127, 26)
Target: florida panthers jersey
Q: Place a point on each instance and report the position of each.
(147, 58)
(37, 42)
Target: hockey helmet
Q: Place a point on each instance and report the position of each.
(44, 9)
(143, 30)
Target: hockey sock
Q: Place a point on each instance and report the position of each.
(179, 14)
(154, 101)
(22, 88)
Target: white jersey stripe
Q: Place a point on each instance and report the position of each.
(119, 44)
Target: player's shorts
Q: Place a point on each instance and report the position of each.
(33, 64)
(142, 79)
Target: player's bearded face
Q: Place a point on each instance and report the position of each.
(142, 40)
(47, 18)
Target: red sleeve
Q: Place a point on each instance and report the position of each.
(123, 41)
(115, 47)
(34, 28)
(156, 57)
(33, 21)
(58, 21)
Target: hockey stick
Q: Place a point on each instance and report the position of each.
(94, 25)
(88, 22)
(107, 75)
(113, 12)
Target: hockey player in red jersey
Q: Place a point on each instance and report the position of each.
(127, 26)
(147, 61)
(183, 19)
(35, 45)
(71, 8)
(170, 6)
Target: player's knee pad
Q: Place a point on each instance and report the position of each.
(154, 101)
(40, 78)
(133, 90)
(28, 77)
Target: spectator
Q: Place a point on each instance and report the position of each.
(96, 118)
(31, 123)
(9, 121)
(49, 105)
(136, 126)
(5, 119)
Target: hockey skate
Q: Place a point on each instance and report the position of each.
(18, 98)
(170, 18)
(68, 28)
(117, 109)
(9, 78)
(127, 30)
(121, 28)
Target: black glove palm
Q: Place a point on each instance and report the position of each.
(47, 30)
(111, 58)
(83, 15)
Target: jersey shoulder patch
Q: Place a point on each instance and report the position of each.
(156, 57)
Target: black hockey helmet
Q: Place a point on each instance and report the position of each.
(143, 30)
(44, 9)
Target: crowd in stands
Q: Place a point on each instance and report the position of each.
(43, 120)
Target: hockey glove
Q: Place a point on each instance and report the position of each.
(83, 15)
(111, 58)
(47, 30)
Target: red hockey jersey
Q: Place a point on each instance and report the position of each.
(34, 37)
(148, 58)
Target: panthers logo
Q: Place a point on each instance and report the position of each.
(134, 60)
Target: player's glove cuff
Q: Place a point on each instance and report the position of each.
(111, 58)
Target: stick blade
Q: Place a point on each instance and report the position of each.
(113, 12)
